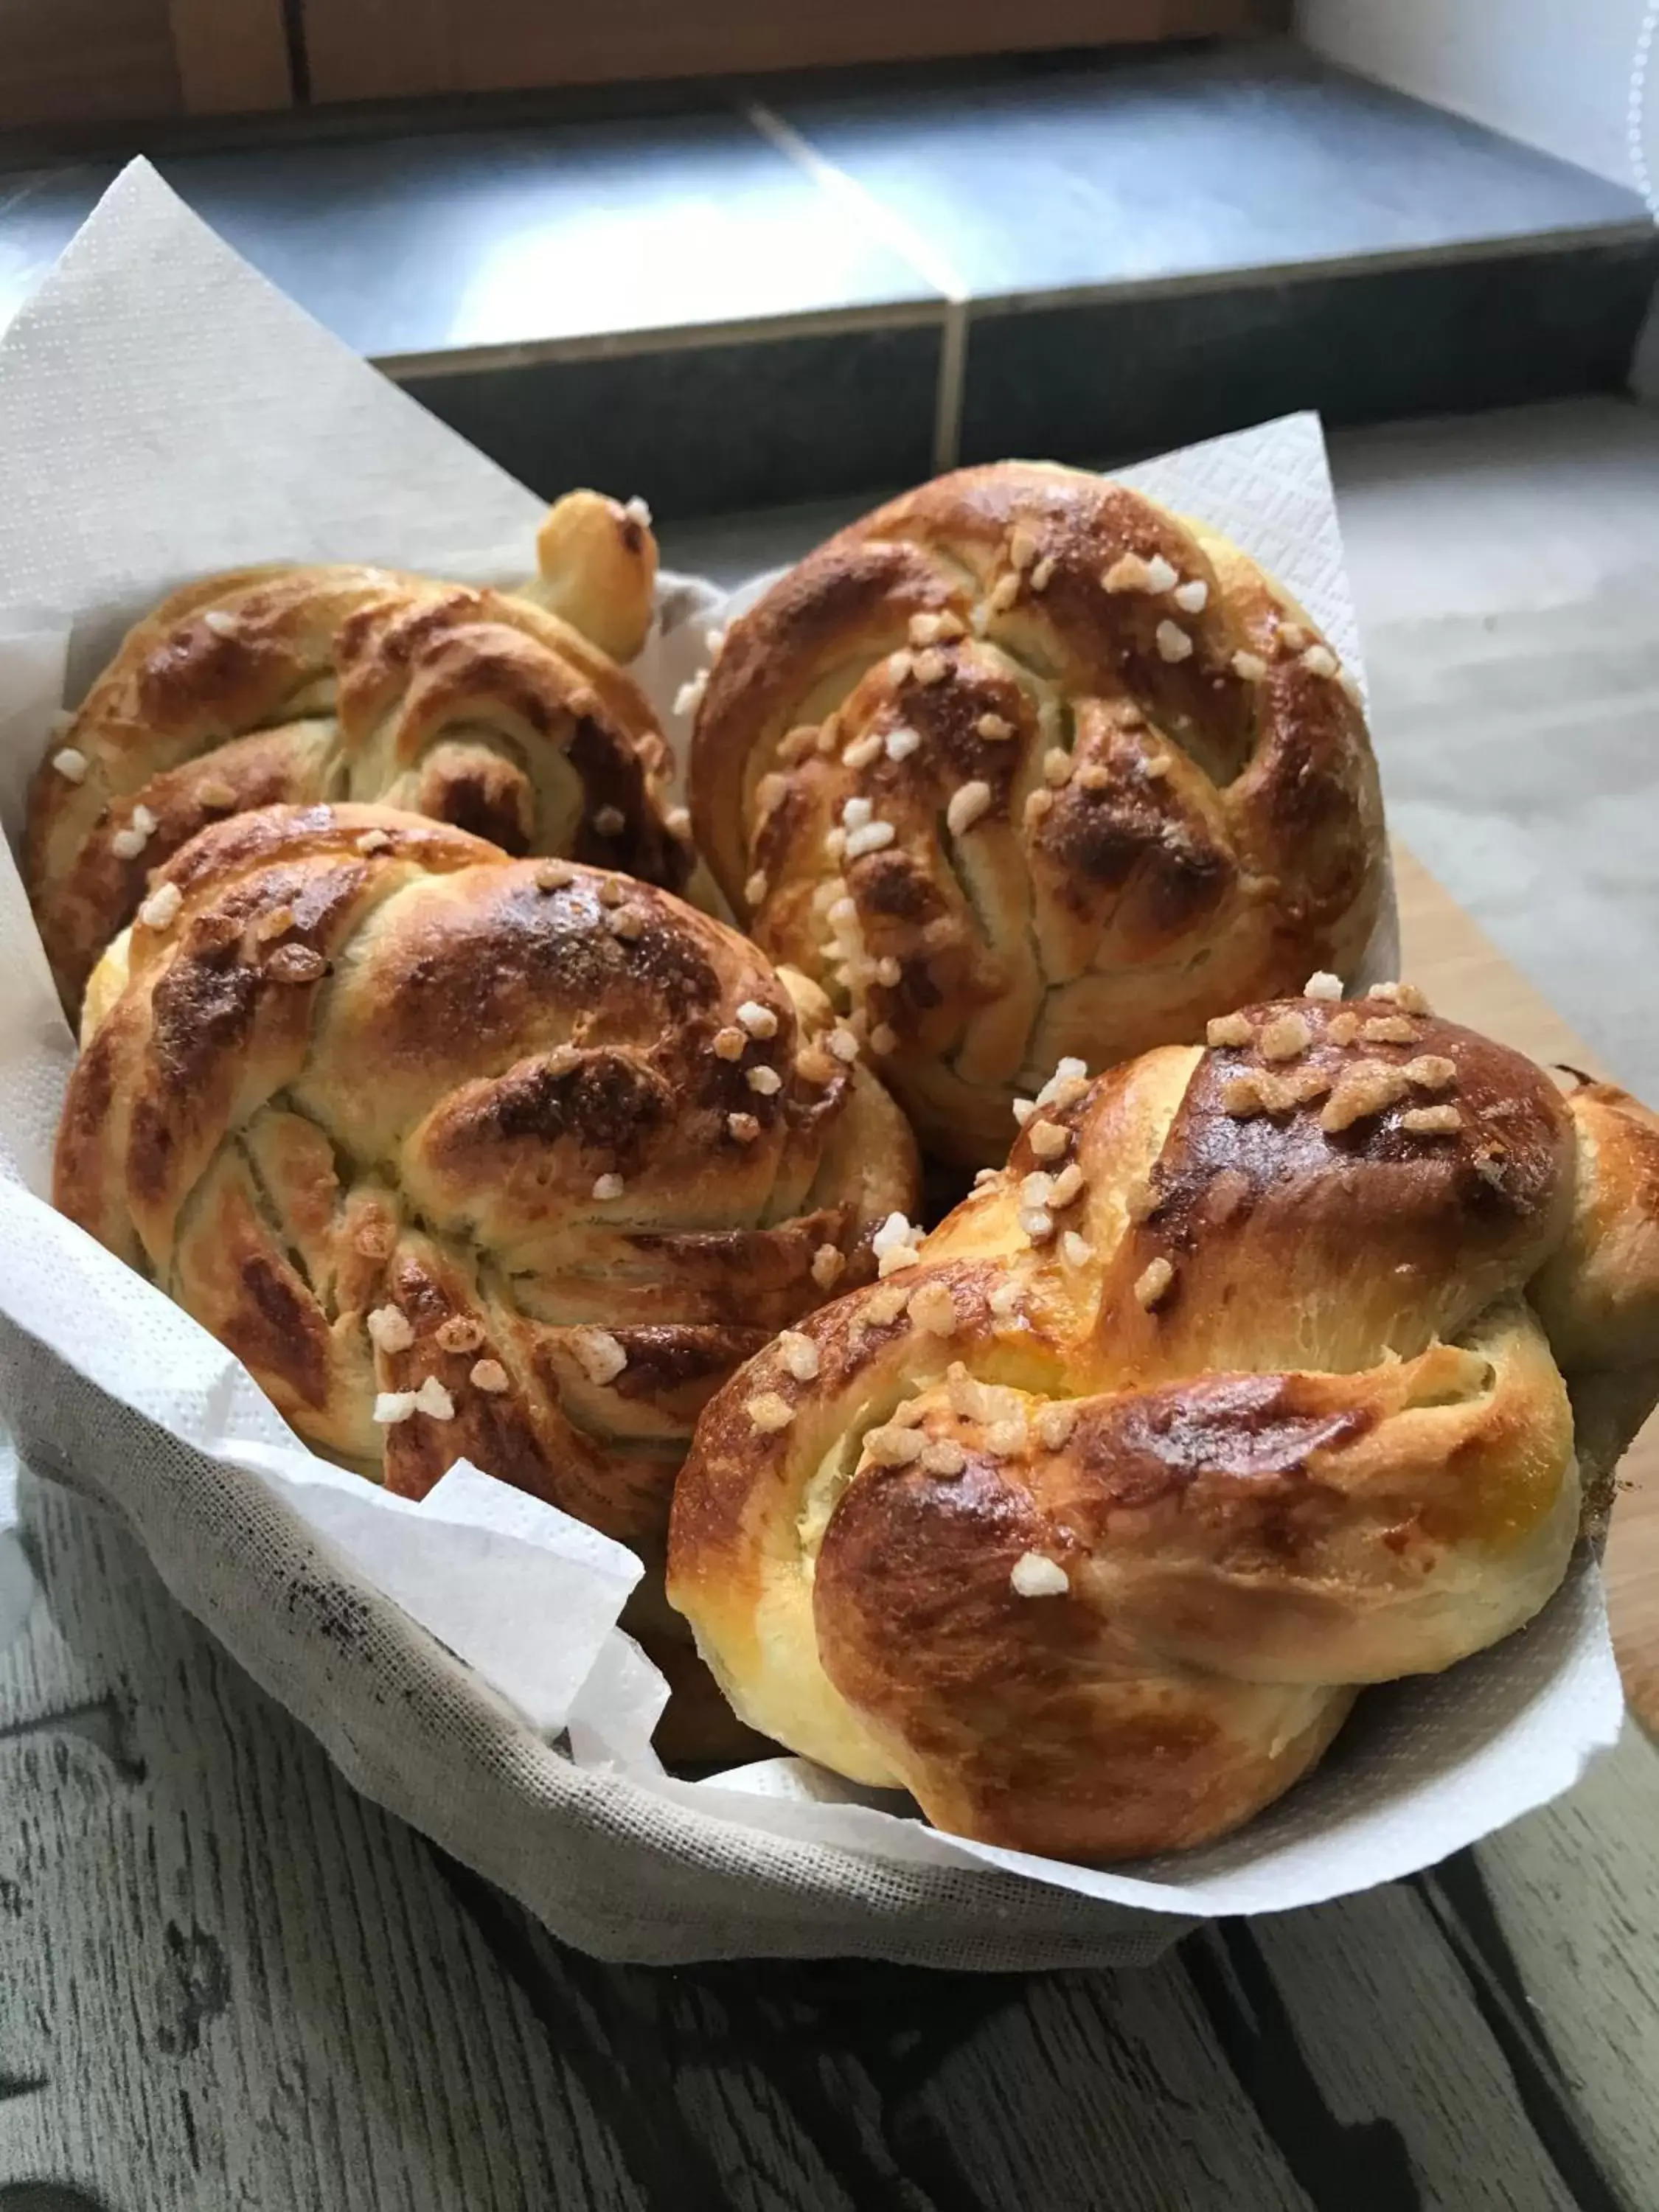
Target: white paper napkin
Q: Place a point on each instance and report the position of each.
(163, 410)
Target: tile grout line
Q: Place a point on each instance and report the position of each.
(666, 337)
(952, 377)
(932, 267)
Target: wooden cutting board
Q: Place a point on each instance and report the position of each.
(1468, 979)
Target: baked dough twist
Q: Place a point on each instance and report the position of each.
(467, 1156)
(502, 713)
(1023, 766)
(1252, 1378)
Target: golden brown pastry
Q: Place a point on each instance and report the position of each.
(500, 712)
(1023, 766)
(466, 1157)
(1251, 1379)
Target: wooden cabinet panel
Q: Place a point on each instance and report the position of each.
(378, 49)
(111, 61)
(232, 55)
(85, 61)
(92, 61)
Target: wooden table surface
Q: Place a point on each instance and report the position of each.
(226, 1981)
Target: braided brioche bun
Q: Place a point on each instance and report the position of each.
(467, 1156)
(1252, 1378)
(1023, 766)
(502, 713)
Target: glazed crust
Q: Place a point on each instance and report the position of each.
(1270, 1399)
(1093, 845)
(489, 710)
(366, 1064)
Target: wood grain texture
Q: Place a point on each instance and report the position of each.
(381, 49)
(225, 1980)
(1466, 977)
(231, 55)
(106, 61)
(85, 61)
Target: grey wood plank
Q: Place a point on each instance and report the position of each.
(1397, 2044)
(240, 1983)
(226, 1980)
(1564, 1929)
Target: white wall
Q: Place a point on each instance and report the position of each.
(1555, 73)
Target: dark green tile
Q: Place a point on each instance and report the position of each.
(1027, 181)
(704, 428)
(1134, 375)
